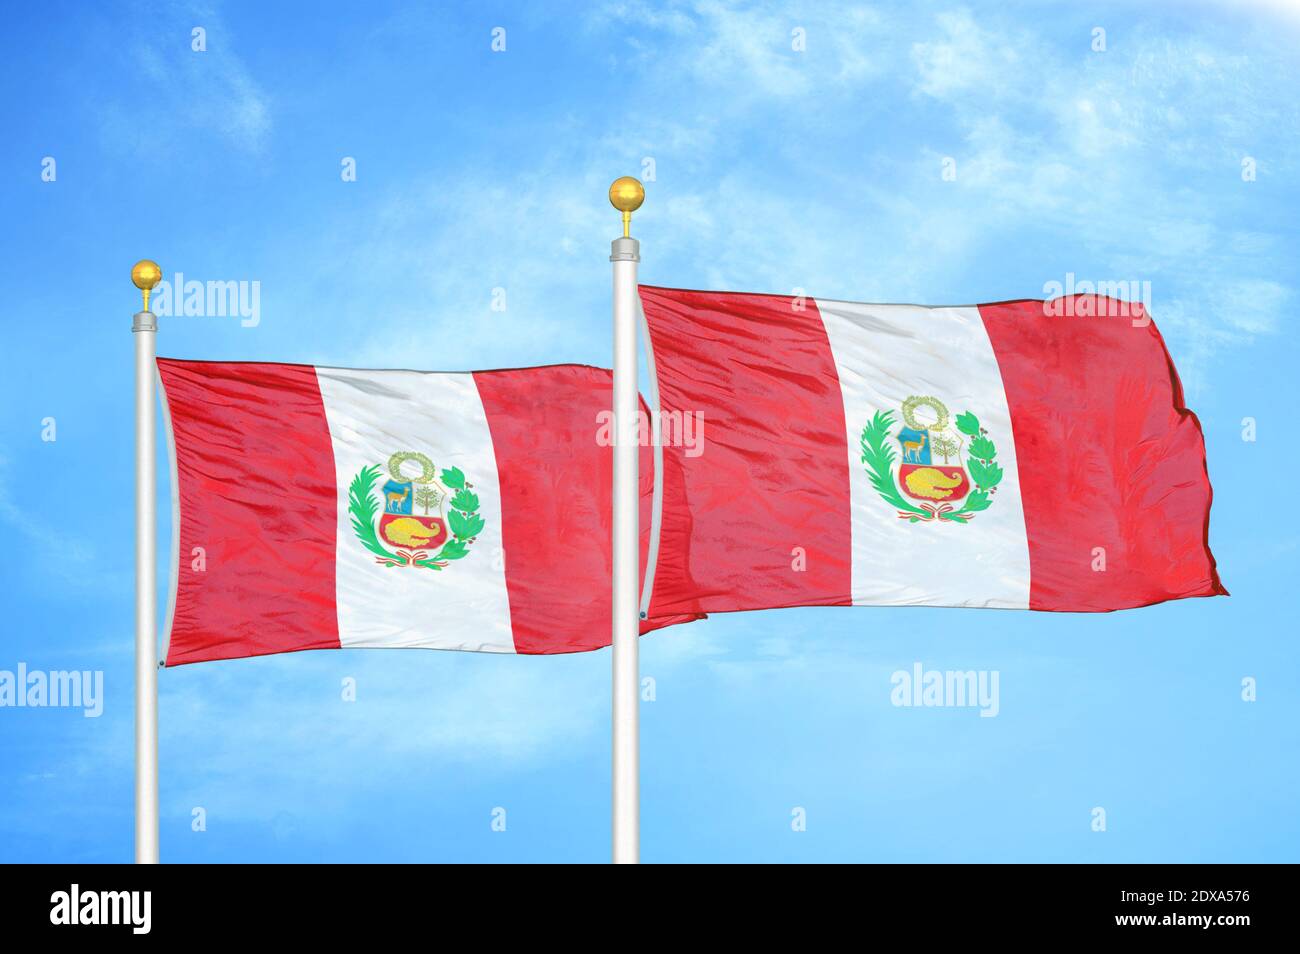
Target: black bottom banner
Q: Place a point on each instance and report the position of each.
(1174, 903)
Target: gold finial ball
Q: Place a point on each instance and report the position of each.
(626, 194)
(146, 274)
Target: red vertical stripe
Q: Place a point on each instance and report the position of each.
(556, 480)
(762, 517)
(1108, 455)
(255, 472)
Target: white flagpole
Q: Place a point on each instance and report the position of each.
(626, 195)
(145, 275)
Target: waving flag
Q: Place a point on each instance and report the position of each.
(322, 508)
(1016, 455)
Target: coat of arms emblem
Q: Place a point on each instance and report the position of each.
(931, 468)
(429, 517)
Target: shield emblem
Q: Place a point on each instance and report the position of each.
(428, 519)
(401, 526)
(923, 479)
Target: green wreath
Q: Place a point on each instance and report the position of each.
(879, 457)
(401, 457)
(463, 519)
(924, 400)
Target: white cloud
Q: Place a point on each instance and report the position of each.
(70, 565)
(1119, 143)
(1087, 152)
(749, 52)
(211, 92)
(965, 57)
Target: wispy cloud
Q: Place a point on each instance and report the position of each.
(753, 52)
(72, 565)
(210, 92)
(1104, 147)
(1122, 142)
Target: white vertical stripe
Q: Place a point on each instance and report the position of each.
(373, 415)
(885, 354)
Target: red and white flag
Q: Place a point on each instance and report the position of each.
(1016, 455)
(319, 508)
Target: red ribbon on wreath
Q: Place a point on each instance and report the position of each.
(934, 513)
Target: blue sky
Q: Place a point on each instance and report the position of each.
(774, 169)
